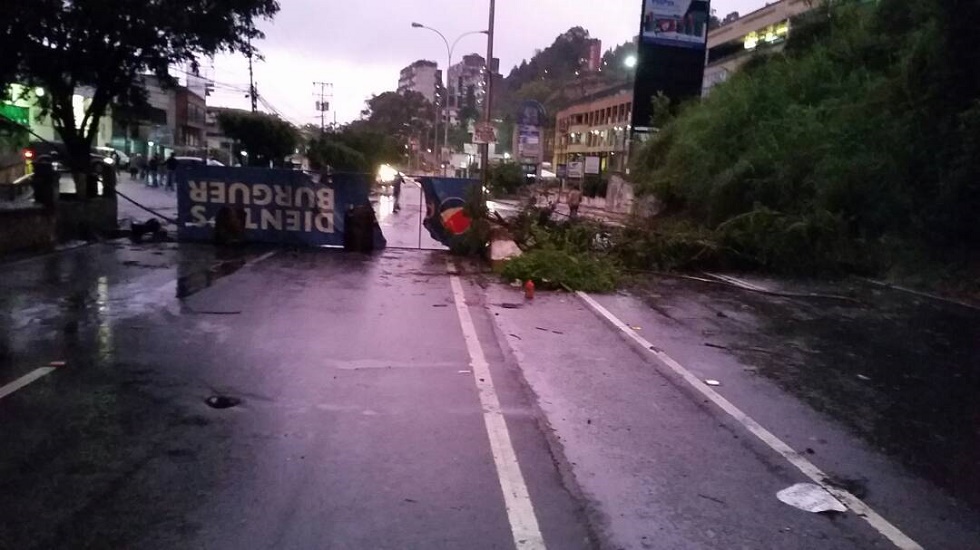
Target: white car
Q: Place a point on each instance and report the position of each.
(108, 152)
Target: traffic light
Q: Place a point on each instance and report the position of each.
(208, 88)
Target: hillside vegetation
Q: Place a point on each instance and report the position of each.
(855, 149)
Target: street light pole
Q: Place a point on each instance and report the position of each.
(488, 100)
(449, 60)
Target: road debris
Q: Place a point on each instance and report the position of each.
(711, 382)
(810, 498)
(222, 401)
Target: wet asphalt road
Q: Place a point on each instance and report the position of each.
(361, 426)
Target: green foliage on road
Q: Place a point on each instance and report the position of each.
(571, 255)
(265, 137)
(855, 148)
(107, 47)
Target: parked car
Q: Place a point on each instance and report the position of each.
(57, 152)
(109, 152)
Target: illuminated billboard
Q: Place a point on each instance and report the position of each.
(670, 55)
(681, 23)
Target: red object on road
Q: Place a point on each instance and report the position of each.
(529, 290)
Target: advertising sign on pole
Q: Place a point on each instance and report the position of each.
(670, 55)
(484, 133)
(681, 23)
(528, 141)
(576, 170)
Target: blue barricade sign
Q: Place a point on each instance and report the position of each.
(445, 198)
(280, 206)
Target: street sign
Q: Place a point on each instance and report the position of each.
(592, 165)
(484, 133)
(562, 171)
(576, 170)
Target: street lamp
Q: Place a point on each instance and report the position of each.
(449, 63)
(630, 64)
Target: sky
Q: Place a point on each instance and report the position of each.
(360, 46)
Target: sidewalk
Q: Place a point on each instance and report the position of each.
(155, 198)
(509, 207)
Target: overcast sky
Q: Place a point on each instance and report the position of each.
(360, 46)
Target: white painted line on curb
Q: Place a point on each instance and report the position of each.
(25, 380)
(520, 510)
(889, 531)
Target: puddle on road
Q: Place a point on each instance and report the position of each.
(901, 372)
(200, 280)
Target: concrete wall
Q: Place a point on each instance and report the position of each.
(27, 230)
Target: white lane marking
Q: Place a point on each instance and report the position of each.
(889, 531)
(520, 510)
(262, 258)
(25, 380)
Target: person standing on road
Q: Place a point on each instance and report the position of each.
(574, 201)
(153, 168)
(171, 171)
(397, 191)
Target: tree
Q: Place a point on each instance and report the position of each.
(400, 115)
(264, 137)
(106, 46)
(328, 152)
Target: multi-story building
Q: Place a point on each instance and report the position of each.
(191, 120)
(596, 126)
(423, 77)
(739, 38)
(152, 128)
(466, 79)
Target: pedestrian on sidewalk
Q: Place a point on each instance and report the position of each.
(574, 201)
(171, 171)
(397, 191)
(153, 170)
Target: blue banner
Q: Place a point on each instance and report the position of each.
(445, 198)
(280, 206)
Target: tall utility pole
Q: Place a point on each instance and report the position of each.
(488, 102)
(323, 106)
(251, 81)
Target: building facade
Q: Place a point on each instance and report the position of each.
(423, 77)
(596, 126)
(739, 38)
(191, 113)
(466, 79)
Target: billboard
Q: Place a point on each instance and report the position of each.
(279, 206)
(670, 55)
(445, 198)
(528, 141)
(681, 23)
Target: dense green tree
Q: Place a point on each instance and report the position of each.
(266, 138)
(106, 45)
(857, 145)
